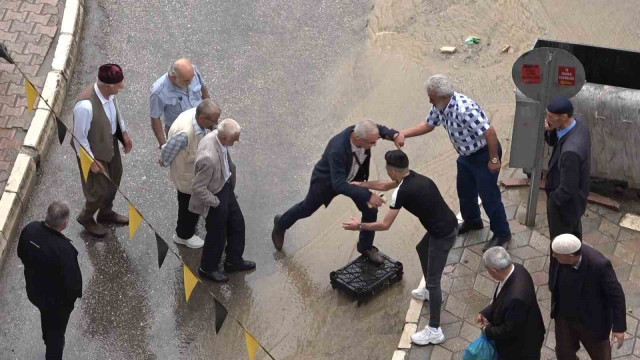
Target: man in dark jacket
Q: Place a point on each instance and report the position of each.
(567, 184)
(513, 319)
(52, 274)
(346, 158)
(587, 301)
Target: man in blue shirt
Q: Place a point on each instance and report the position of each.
(181, 89)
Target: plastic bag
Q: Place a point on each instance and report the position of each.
(481, 349)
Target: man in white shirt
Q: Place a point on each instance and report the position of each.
(98, 126)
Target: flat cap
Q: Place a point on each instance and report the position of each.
(560, 105)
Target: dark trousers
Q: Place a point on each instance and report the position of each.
(98, 191)
(433, 254)
(317, 197)
(54, 324)
(557, 227)
(225, 224)
(570, 334)
(187, 221)
(474, 178)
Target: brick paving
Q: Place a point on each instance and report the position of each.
(28, 29)
(467, 288)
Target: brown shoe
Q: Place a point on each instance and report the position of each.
(112, 217)
(91, 226)
(277, 234)
(374, 256)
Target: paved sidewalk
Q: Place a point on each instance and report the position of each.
(467, 288)
(28, 29)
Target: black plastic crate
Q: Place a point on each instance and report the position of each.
(361, 278)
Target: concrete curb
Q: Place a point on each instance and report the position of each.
(412, 318)
(42, 129)
(410, 327)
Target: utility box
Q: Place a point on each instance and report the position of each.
(610, 103)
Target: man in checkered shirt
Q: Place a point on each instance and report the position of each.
(479, 156)
(179, 154)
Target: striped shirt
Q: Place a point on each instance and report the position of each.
(465, 122)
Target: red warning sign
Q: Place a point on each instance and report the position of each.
(530, 74)
(566, 76)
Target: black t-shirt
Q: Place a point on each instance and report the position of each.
(421, 197)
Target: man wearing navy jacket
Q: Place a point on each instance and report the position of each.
(567, 184)
(346, 158)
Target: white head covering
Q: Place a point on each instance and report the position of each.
(566, 244)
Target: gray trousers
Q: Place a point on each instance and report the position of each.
(433, 253)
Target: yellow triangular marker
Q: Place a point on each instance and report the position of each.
(190, 281)
(32, 95)
(134, 221)
(85, 163)
(252, 345)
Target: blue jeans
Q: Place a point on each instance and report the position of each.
(474, 178)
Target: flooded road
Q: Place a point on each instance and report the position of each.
(293, 74)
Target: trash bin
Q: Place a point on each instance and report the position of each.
(610, 103)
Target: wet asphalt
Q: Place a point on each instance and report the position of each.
(266, 63)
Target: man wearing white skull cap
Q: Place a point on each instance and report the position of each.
(587, 301)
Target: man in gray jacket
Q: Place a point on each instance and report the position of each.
(214, 198)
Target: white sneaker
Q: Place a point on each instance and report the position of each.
(421, 294)
(195, 242)
(427, 336)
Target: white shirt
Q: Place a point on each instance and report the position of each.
(83, 115)
(355, 165)
(501, 283)
(225, 155)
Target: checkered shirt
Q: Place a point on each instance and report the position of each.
(465, 122)
(177, 142)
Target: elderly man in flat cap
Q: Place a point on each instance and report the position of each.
(567, 184)
(587, 301)
(179, 90)
(98, 125)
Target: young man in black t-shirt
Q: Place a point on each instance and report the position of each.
(421, 197)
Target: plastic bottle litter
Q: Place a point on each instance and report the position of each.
(472, 40)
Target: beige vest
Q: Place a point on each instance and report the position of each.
(182, 168)
(99, 137)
